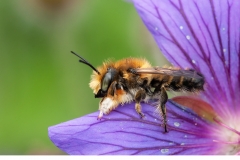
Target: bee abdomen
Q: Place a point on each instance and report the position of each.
(176, 83)
(180, 83)
(193, 84)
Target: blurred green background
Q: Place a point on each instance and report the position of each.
(41, 82)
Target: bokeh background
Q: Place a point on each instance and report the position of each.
(41, 82)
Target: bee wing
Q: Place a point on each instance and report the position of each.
(169, 71)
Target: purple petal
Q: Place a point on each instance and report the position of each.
(123, 132)
(203, 35)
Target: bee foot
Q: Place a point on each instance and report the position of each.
(141, 115)
(165, 128)
(100, 115)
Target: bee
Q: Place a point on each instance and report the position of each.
(134, 79)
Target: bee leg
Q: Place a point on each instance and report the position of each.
(112, 89)
(140, 95)
(149, 92)
(163, 101)
(107, 104)
(100, 115)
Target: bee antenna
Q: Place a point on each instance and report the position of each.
(82, 60)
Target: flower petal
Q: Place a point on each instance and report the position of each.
(200, 107)
(203, 35)
(124, 132)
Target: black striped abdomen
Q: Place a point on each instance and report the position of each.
(190, 82)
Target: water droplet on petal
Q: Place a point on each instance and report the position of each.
(182, 144)
(176, 124)
(165, 150)
(170, 143)
(188, 37)
(212, 78)
(223, 29)
(195, 124)
(181, 27)
(185, 136)
(193, 61)
(156, 28)
(224, 50)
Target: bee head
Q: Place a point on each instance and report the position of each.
(107, 79)
(100, 83)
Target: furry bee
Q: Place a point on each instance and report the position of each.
(134, 79)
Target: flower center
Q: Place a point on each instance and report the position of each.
(229, 137)
(226, 130)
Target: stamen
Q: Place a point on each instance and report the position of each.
(224, 125)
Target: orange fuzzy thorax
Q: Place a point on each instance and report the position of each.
(122, 65)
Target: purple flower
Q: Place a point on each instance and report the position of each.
(203, 35)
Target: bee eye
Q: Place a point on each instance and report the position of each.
(108, 78)
(106, 81)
